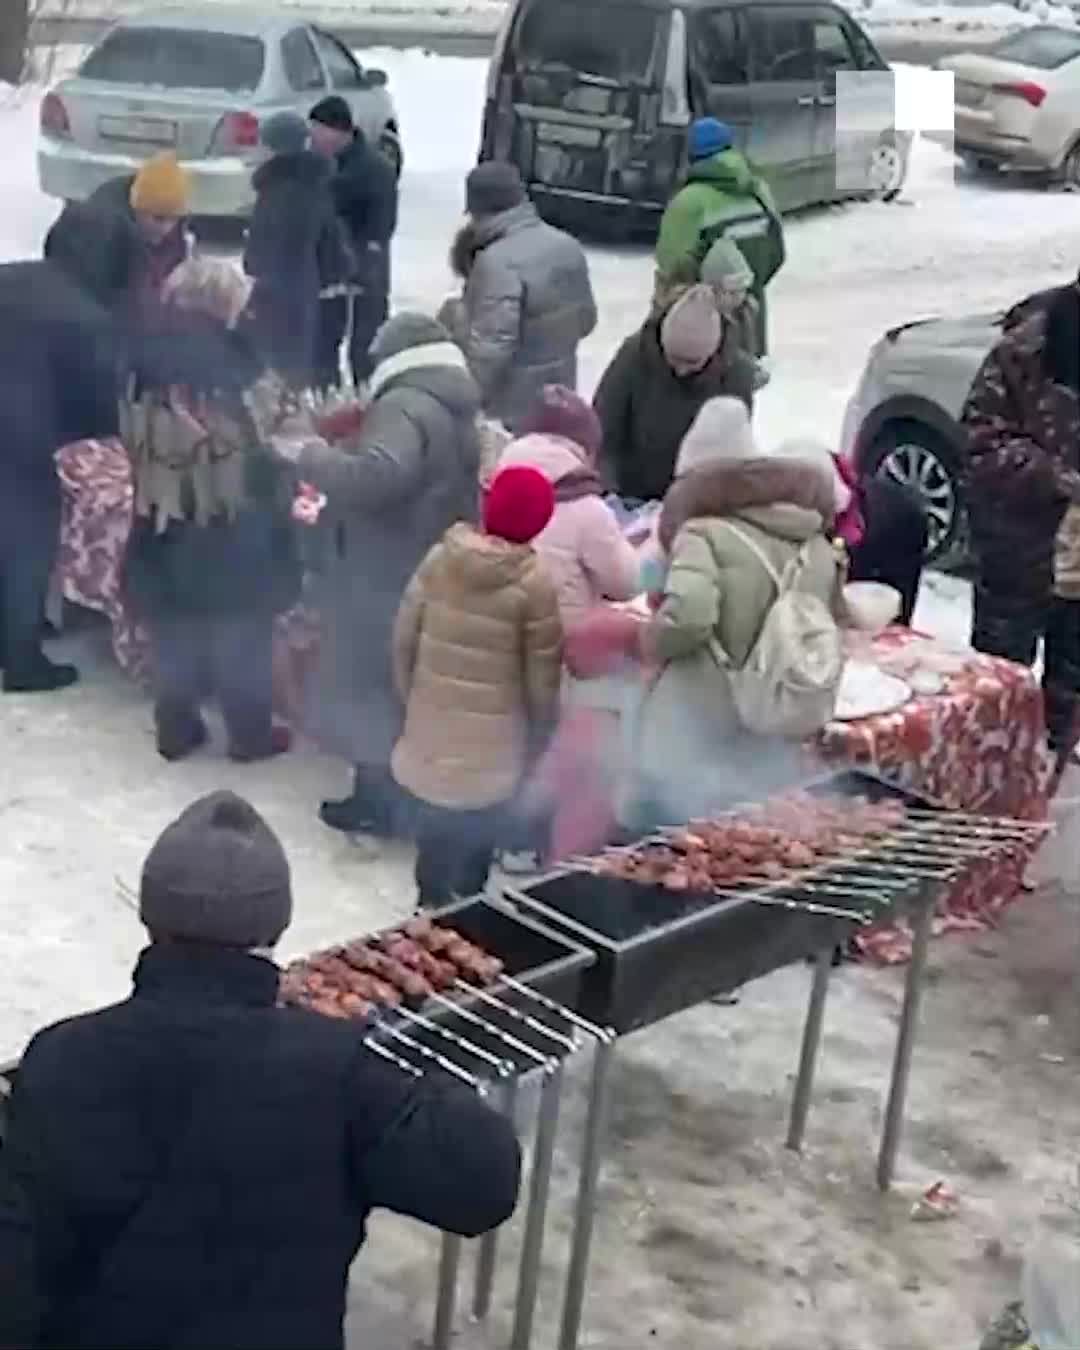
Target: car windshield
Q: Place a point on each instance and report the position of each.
(177, 58)
(607, 42)
(1043, 48)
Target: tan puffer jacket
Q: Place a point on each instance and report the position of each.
(477, 663)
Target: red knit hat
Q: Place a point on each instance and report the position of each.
(518, 504)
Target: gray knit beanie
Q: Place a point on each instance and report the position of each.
(286, 133)
(218, 875)
(493, 187)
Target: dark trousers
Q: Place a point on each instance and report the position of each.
(197, 657)
(894, 543)
(454, 850)
(1012, 628)
(29, 535)
(332, 326)
(369, 313)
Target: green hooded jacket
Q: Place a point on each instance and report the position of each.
(722, 197)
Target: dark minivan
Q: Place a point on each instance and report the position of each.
(592, 98)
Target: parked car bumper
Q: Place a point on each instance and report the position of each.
(980, 138)
(219, 187)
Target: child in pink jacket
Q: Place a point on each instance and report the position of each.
(583, 548)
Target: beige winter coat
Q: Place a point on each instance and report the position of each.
(477, 657)
(692, 754)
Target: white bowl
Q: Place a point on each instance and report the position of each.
(871, 605)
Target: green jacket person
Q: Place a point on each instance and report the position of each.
(722, 198)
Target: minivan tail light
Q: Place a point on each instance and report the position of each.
(236, 131)
(54, 117)
(1028, 90)
(674, 105)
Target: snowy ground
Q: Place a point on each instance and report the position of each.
(711, 1237)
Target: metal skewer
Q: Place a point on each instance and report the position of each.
(589, 1028)
(529, 1051)
(395, 1060)
(503, 1067)
(427, 1053)
(486, 996)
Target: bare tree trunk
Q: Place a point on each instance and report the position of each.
(14, 31)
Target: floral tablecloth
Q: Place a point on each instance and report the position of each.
(95, 479)
(979, 745)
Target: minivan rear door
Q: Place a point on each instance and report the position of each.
(783, 100)
(583, 79)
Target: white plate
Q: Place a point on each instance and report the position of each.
(866, 690)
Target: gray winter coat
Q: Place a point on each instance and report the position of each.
(527, 304)
(413, 474)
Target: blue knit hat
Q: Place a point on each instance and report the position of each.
(707, 137)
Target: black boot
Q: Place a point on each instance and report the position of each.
(180, 729)
(36, 674)
(369, 809)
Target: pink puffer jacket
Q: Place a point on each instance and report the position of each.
(583, 549)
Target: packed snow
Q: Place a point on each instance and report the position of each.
(697, 1185)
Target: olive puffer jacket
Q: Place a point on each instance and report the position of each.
(477, 662)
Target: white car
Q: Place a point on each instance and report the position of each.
(1018, 104)
(199, 81)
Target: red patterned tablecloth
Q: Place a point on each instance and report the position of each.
(95, 478)
(977, 746)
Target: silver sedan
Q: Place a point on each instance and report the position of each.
(199, 84)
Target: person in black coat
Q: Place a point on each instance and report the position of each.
(57, 385)
(212, 555)
(366, 194)
(144, 214)
(194, 1167)
(296, 248)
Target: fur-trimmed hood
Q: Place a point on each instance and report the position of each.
(790, 497)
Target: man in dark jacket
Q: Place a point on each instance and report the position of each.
(656, 385)
(197, 1162)
(1023, 423)
(57, 385)
(366, 194)
(148, 209)
(295, 248)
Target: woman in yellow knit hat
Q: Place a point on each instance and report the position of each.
(154, 204)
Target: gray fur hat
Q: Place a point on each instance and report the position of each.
(217, 875)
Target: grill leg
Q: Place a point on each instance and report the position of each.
(811, 1043)
(449, 1261)
(532, 1241)
(591, 1159)
(489, 1243)
(905, 1044)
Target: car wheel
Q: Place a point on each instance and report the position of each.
(390, 148)
(1070, 169)
(887, 170)
(916, 456)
